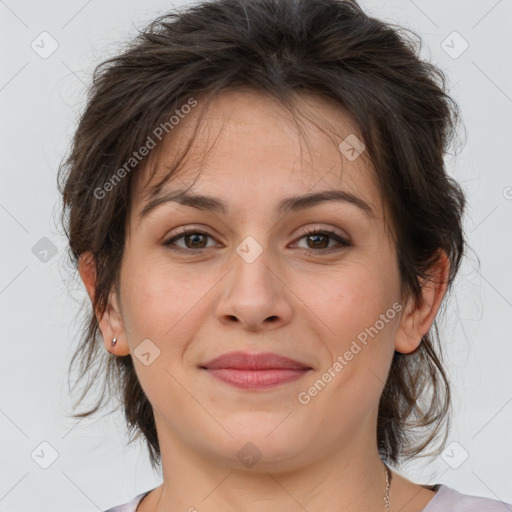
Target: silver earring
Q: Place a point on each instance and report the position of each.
(114, 341)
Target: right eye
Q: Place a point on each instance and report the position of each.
(193, 235)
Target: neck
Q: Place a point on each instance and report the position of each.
(347, 479)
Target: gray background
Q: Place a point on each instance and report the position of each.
(40, 102)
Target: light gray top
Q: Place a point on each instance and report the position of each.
(445, 500)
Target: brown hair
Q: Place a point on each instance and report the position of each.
(279, 47)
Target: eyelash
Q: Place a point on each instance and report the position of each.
(344, 243)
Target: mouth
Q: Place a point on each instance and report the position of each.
(255, 371)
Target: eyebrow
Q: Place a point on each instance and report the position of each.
(287, 205)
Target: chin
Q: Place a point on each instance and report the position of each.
(262, 441)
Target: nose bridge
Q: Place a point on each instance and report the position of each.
(251, 261)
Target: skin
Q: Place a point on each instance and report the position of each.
(307, 306)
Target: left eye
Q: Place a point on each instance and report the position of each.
(317, 237)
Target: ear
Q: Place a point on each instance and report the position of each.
(417, 319)
(110, 322)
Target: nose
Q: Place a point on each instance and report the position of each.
(254, 293)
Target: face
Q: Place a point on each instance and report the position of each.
(317, 283)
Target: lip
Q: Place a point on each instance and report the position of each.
(261, 361)
(255, 371)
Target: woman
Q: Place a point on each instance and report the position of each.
(257, 204)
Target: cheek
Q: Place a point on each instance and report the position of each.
(360, 311)
(164, 303)
(154, 300)
(362, 324)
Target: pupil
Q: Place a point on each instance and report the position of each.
(316, 239)
(195, 236)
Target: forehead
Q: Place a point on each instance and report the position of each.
(247, 141)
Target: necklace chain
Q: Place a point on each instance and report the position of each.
(387, 507)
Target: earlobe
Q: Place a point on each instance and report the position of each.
(110, 321)
(419, 315)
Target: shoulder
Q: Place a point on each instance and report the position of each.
(450, 500)
(131, 506)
